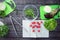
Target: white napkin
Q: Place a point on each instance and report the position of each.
(43, 31)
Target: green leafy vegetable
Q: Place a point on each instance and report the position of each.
(3, 30)
(50, 24)
(2, 12)
(29, 12)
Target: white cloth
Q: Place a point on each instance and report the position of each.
(27, 31)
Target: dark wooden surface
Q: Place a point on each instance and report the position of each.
(54, 35)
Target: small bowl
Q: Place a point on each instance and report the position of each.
(3, 6)
(35, 10)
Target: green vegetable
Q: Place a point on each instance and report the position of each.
(1, 13)
(3, 29)
(29, 12)
(50, 24)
